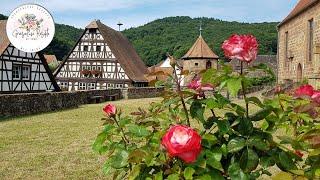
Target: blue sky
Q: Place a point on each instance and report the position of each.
(134, 13)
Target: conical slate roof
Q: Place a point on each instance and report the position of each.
(200, 50)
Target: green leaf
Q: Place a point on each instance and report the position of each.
(223, 126)
(266, 161)
(197, 111)
(214, 163)
(258, 143)
(285, 161)
(173, 177)
(255, 101)
(234, 85)
(249, 160)
(98, 145)
(107, 166)
(188, 173)
(135, 172)
(205, 177)
(158, 176)
(137, 156)
(208, 140)
(245, 126)
(138, 131)
(262, 114)
(236, 144)
(120, 159)
(216, 175)
(236, 173)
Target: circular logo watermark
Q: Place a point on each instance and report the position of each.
(30, 28)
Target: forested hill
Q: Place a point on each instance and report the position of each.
(174, 35)
(177, 34)
(64, 39)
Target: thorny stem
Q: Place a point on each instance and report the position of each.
(244, 92)
(177, 81)
(124, 138)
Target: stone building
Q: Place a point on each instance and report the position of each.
(299, 44)
(199, 57)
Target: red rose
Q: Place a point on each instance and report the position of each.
(110, 109)
(298, 153)
(305, 90)
(183, 142)
(242, 47)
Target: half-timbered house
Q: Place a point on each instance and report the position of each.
(21, 71)
(102, 58)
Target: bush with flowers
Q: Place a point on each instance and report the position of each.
(184, 136)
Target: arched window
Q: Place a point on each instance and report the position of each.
(299, 73)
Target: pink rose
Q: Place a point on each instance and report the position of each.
(195, 84)
(316, 97)
(242, 47)
(183, 142)
(110, 110)
(305, 90)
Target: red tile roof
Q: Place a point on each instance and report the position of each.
(299, 8)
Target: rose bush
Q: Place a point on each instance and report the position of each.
(190, 135)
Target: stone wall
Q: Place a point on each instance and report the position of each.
(147, 92)
(294, 64)
(32, 103)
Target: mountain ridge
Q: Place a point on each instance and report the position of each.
(174, 35)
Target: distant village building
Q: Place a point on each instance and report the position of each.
(299, 44)
(21, 71)
(162, 70)
(199, 57)
(102, 58)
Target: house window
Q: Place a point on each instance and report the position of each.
(82, 86)
(196, 64)
(91, 86)
(310, 40)
(92, 30)
(20, 72)
(16, 72)
(26, 72)
(286, 45)
(85, 48)
(98, 48)
(64, 85)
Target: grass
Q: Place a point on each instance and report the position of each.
(57, 145)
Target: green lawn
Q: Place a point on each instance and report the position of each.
(56, 145)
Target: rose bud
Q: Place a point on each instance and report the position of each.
(277, 89)
(241, 47)
(110, 110)
(305, 90)
(298, 153)
(183, 142)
